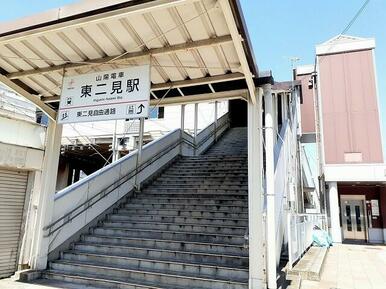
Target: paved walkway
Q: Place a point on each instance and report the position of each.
(352, 267)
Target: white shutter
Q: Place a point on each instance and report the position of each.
(13, 186)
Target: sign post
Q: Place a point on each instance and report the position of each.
(108, 95)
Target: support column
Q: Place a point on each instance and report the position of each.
(215, 120)
(195, 126)
(47, 194)
(182, 117)
(115, 144)
(335, 230)
(255, 200)
(182, 126)
(139, 153)
(270, 187)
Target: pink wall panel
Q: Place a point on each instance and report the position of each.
(349, 107)
(307, 107)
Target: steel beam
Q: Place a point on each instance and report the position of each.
(205, 97)
(129, 56)
(32, 98)
(237, 42)
(176, 84)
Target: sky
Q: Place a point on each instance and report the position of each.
(282, 29)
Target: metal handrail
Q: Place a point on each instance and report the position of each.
(107, 190)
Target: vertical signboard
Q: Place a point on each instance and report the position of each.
(108, 95)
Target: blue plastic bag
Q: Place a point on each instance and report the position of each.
(321, 238)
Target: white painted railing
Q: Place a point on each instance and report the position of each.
(76, 206)
(285, 166)
(300, 229)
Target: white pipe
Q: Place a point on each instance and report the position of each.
(215, 119)
(255, 197)
(139, 153)
(270, 187)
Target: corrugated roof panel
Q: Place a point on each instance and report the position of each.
(50, 87)
(43, 45)
(101, 40)
(169, 67)
(6, 65)
(31, 83)
(85, 46)
(188, 60)
(120, 32)
(60, 47)
(13, 59)
(142, 29)
(230, 53)
(167, 24)
(218, 21)
(211, 61)
(23, 49)
(193, 22)
(155, 76)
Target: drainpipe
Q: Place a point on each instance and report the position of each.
(270, 187)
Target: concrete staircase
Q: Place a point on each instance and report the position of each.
(183, 230)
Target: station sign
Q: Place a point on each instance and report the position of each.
(107, 95)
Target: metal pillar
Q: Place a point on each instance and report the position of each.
(195, 126)
(114, 144)
(139, 152)
(182, 125)
(215, 120)
(47, 194)
(335, 230)
(270, 187)
(255, 197)
(182, 117)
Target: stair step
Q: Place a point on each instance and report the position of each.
(189, 190)
(184, 213)
(165, 234)
(169, 267)
(198, 187)
(178, 227)
(167, 244)
(239, 222)
(227, 260)
(189, 201)
(189, 207)
(192, 195)
(120, 274)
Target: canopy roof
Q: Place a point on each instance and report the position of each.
(195, 47)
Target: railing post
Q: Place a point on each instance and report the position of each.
(139, 152)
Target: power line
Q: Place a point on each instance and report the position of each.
(346, 28)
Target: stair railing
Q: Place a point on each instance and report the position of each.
(76, 206)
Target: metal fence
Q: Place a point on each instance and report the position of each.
(299, 230)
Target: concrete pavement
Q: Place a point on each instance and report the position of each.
(352, 267)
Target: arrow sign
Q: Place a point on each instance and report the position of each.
(140, 108)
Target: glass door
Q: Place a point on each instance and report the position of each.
(353, 219)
